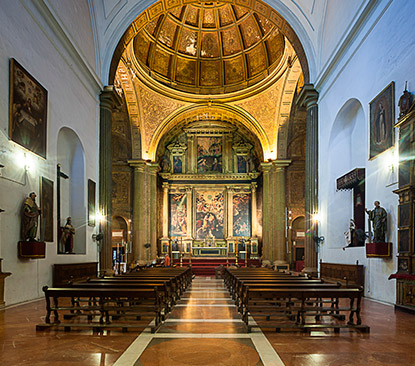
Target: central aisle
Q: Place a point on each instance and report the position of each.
(204, 328)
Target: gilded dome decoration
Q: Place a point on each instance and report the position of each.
(209, 48)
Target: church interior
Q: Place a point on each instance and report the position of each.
(207, 182)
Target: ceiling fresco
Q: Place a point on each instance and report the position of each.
(209, 48)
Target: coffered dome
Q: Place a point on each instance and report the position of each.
(209, 48)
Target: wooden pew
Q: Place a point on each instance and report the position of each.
(165, 289)
(105, 302)
(280, 306)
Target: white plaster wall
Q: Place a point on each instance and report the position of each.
(81, 29)
(385, 55)
(72, 102)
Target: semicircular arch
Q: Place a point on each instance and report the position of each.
(193, 113)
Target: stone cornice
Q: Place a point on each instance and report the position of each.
(307, 97)
(210, 177)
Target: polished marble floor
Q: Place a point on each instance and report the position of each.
(205, 329)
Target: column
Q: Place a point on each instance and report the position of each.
(280, 247)
(273, 217)
(267, 248)
(139, 209)
(229, 210)
(165, 211)
(152, 226)
(308, 98)
(254, 219)
(109, 100)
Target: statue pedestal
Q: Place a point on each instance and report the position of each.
(3, 275)
(32, 249)
(378, 250)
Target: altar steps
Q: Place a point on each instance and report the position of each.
(207, 266)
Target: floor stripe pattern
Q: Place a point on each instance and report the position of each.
(205, 329)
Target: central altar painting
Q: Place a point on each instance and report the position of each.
(209, 214)
(209, 154)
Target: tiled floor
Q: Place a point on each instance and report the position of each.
(205, 329)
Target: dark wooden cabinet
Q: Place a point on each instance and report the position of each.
(405, 277)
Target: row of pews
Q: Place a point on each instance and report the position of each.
(122, 301)
(271, 299)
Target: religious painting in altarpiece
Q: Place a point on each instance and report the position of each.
(178, 214)
(209, 214)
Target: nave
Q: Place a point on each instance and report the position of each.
(204, 328)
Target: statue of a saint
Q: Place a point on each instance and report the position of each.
(68, 231)
(31, 212)
(378, 216)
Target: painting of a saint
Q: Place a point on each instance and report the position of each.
(241, 207)
(381, 121)
(242, 164)
(209, 214)
(177, 164)
(209, 154)
(28, 107)
(178, 214)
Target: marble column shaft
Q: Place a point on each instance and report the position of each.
(144, 209)
(308, 98)
(109, 100)
(273, 218)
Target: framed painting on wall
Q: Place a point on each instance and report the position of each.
(46, 206)
(381, 121)
(27, 110)
(91, 202)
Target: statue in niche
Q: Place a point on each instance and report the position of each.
(378, 216)
(165, 163)
(31, 212)
(251, 163)
(68, 231)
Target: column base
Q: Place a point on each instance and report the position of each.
(280, 265)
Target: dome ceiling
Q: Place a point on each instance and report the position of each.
(209, 48)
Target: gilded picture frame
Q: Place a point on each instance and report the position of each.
(381, 121)
(27, 110)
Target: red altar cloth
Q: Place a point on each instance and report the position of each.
(299, 265)
(402, 276)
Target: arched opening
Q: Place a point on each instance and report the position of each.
(72, 192)
(348, 147)
(209, 120)
(120, 239)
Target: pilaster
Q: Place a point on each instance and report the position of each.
(308, 98)
(109, 100)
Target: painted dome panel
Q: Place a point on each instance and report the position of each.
(231, 42)
(234, 70)
(141, 47)
(225, 15)
(161, 62)
(250, 32)
(210, 73)
(256, 61)
(209, 47)
(188, 42)
(192, 16)
(209, 20)
(167, 33)
(186, 71)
